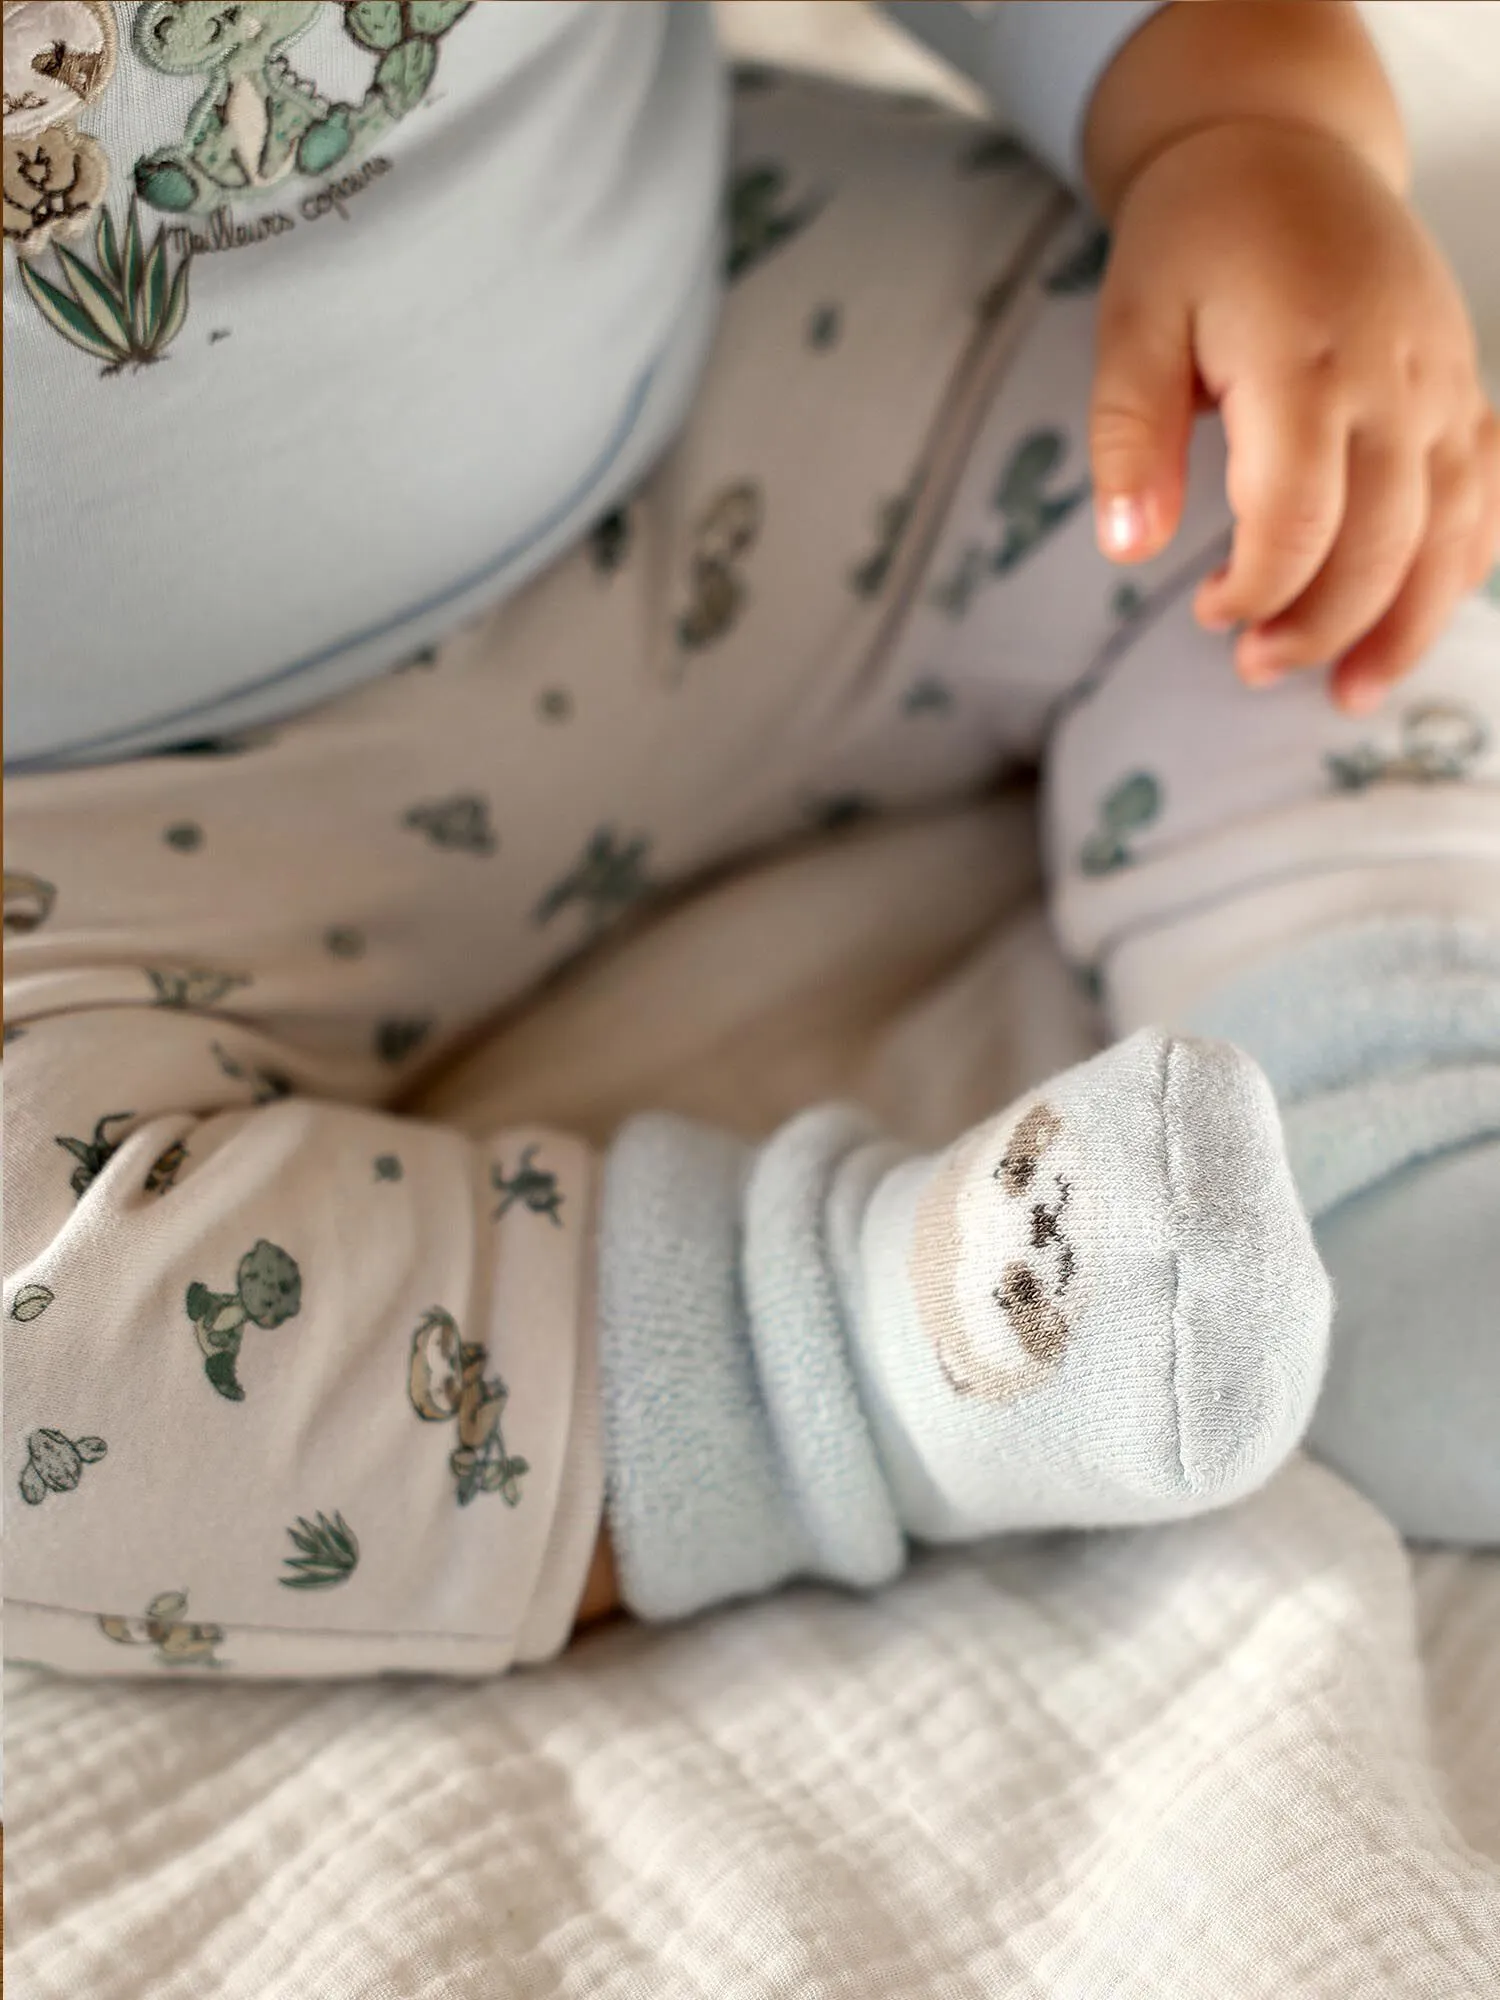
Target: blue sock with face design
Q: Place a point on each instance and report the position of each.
(1102, 1307)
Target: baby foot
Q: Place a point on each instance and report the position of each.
(1103, 1306)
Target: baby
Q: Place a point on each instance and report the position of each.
(439, 521)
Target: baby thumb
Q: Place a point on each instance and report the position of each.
(1139, 423)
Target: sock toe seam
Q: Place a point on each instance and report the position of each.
(1168, 1047)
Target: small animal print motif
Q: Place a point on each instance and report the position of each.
(327, 1554)
(530, 1186)
(460, 823)
(607, 879)
(928, 696)
(177, 1642)
(95, 1153)
(1081, 269)
(186, 837)
(727, 531)
(31, 1302)
(824, 325)
(388, 1168)
(868, 576)
(28, 902)
(398, 1038)
(266, 1085)
(762, 217)
(198, 987)
(54, 1463)
(343, 941)
(609, 541)
(1134, 804)
(165, 1168)
(257, 121)
(268, 1292)
(446, 1383)
(1440, 743)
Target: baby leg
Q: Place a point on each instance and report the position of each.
(1325, 892)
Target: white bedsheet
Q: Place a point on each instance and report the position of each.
(1255, 1756)
(1259, 1755)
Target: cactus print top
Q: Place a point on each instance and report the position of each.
(329, 324)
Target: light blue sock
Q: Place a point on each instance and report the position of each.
(1104, 1306)
(1382, 1042)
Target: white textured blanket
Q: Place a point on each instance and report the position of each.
(1259, 1755)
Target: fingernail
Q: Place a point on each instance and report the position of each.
(1261, 661)
(1120, 524)
(1256, 674)
(1212, 621)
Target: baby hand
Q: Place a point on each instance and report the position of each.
(1267, 270)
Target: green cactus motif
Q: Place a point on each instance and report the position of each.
(327, 1554)
(531, 1186)
(1031, 513)
(388, 1167)
(268, 1292)
(127, 307)
(54, 1463)
(177, 1641)
(761, 217)
(606, 880)
(258, 121)
(95, 1153)
(461, 823)
(1133, 804)
(1028, 511)
(1440, 743)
